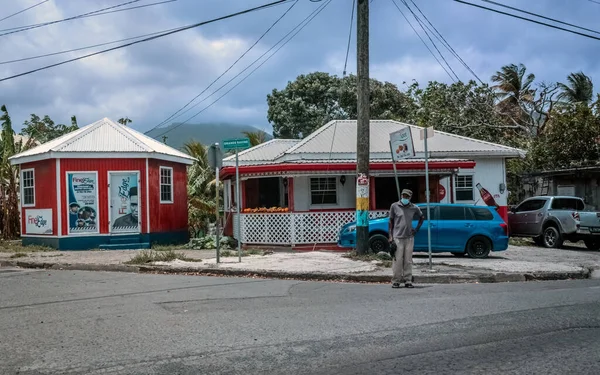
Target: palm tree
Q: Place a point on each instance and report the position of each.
(201, 188)
(578, 89)
(256, 137)
(513, 85)
(124, 121)
(10, 216)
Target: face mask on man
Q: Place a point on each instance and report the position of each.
(405, 201)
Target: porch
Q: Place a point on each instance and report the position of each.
(302, 206)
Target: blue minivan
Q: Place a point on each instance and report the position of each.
(456, 228)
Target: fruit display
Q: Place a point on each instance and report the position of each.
(265, 210)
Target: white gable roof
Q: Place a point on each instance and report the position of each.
(338, 138)
(262, 153)
(103, 139)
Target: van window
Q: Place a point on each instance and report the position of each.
(479, 213)
(452, 213)
(567, 204)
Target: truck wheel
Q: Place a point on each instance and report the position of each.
(552, 238)
(479, 247)
(592, 244)
(379, 243)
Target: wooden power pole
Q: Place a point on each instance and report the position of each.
(362, 130)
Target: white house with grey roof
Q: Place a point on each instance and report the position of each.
(301, 192)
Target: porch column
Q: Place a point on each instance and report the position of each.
(452, 196)
(290, 194)
(242, 195)
(372, 205)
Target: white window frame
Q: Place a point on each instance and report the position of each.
(160, 184)
(23, 171)
(464, 188)
(310, 192)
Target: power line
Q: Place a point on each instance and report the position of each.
(529, 20)
(431, 40)
(86, 47)
(446, 44)
(350, 35)
(22, 28)
(230, 67)
(423, 41)
(24, 10)
(306, 21)
(540, 16)
(30, 27)
(268, 5)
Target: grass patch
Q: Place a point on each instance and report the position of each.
(17, 247)
(370, 257)
(245, 253)
(149, 256)
(167, 247)
(18, 255)
(385, 264)
(519, 241)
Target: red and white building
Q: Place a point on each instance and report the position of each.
(104, 185)
(308, 187)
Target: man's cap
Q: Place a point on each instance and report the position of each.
(74, 204)
(407, 192)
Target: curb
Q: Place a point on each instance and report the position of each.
(475, 277)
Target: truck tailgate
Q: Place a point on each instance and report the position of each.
(590, 222)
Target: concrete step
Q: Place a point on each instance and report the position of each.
(116, 240)
(126, 246)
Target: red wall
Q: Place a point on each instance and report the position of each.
(45, 190)
(102, 166)
(168, 217)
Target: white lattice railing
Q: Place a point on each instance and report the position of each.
(295, 228)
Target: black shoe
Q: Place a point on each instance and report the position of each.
(396, 285)
(409, 285)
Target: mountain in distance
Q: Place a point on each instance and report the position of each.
(205, 133)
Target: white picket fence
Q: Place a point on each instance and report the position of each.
(295, 228)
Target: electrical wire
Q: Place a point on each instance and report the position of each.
(350, 35)
(86, 47)
(423, 41)
(431, 40)
(300, 27)
(529, 20)
(230, 67)
(265, 6)
(30, 27)
(540, 16)
(446, 44)
(24, 10)
(21, 28)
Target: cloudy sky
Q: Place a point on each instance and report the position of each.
(150, 81)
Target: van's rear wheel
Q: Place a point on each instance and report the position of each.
(479, 247)
(379, 243)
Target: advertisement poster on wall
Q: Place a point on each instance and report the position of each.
(82, 199)
(124, 200)
(38, 221)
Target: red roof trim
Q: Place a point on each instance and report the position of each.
(416, 165)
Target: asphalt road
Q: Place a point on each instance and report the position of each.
(66, 322)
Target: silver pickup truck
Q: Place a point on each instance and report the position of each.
(552, 220)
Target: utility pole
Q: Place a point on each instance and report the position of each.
(362, 130)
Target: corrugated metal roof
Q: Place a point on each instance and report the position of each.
(340, 137)
(104, 136)
(264, 152)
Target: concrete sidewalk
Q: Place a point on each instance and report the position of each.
(516, 264)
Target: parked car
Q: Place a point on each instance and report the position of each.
(456, 228)
(552, 220)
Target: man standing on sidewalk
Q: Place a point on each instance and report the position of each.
(402, 233)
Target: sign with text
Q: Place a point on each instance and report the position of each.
(124, 202)
(236, 144)
(82, 200)
(38, 221)
(402, 144)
